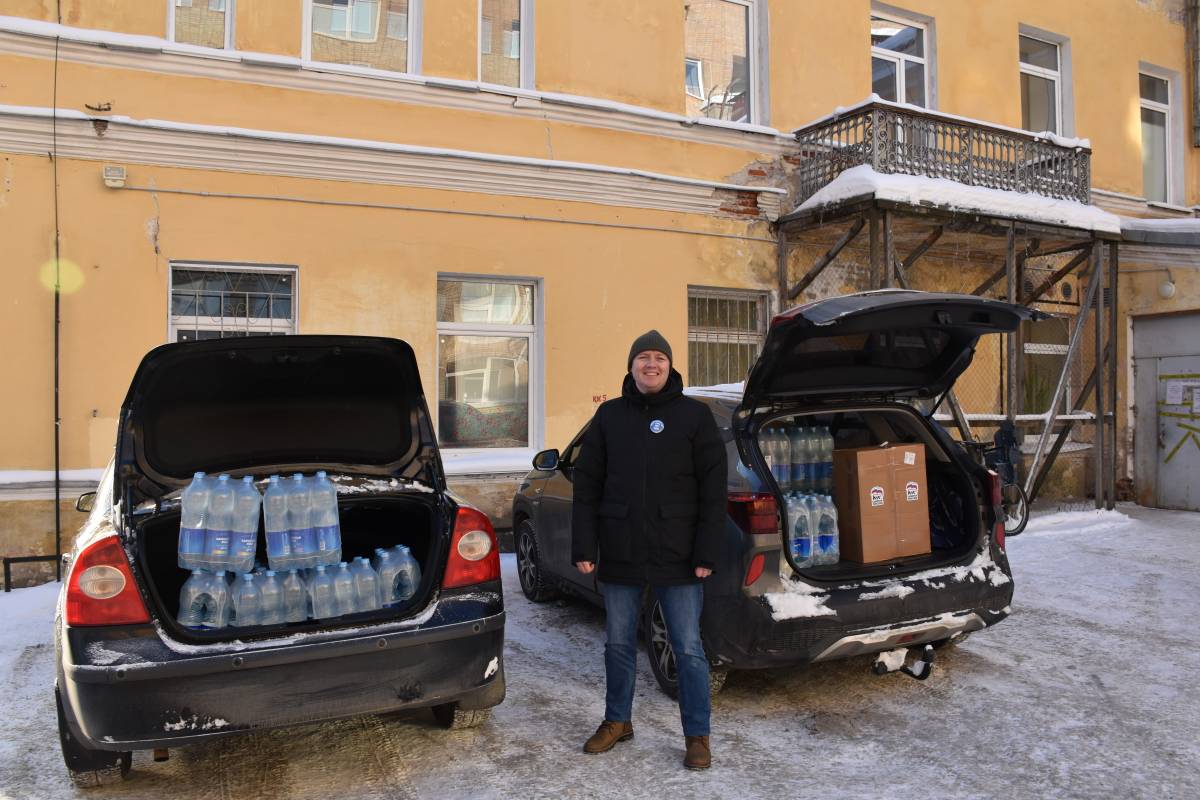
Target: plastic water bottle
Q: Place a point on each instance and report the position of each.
(815, 467)
(796, 465)
(271, 597)
(320, 591)
(193, 600)
(408, 574)
(343, 589)
(295, 598)
(193, 514)
(799, 538)
(217, 609)
(219, 533)
(326, 528)
(275, 522)
(828, 547)
(366, 585)
(825, 484)
(247, 602)
(246, 503)
(386, 566)
(299, 508)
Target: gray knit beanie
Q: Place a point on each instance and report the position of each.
(650, 340)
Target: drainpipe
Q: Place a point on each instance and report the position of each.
(57, 317)
(1192, 18)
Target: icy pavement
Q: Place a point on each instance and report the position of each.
(1088, 690)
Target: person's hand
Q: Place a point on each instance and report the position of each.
(585, 567)
(703, 572)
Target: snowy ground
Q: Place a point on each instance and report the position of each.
(1088, 690)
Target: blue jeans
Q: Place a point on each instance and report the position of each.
(681, 607)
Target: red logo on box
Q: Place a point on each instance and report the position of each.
(912, 490)
(876, 496)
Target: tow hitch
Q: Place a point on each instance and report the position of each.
(894, 660)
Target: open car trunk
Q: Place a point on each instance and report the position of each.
(954, 494)
(368, 521)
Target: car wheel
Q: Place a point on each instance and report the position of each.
(88, 768)
(1016, 509)
(529, 565)
(662, 656)
(453, 718)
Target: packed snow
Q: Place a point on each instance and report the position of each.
(1087, 690)
(863, 181)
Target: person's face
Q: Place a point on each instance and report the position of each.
(650, 371)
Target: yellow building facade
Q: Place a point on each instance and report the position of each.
(517, 188)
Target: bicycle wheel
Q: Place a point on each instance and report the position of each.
(1015, 506)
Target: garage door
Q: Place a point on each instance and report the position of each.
(1167, 429)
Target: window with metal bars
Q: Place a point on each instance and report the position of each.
(217, 302)
(726, 329)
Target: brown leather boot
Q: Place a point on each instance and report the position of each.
(698, 755)
(607, 736)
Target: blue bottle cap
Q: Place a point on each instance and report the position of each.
(320, 473)
(223, 478)
(247, 479)
(270, 573)
(247, 577)
(296, 476)
(320, 568)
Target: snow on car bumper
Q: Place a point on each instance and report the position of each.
(148, 705)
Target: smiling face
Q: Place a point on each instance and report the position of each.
(650, 371)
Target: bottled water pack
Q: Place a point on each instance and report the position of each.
(812, 530)
(800, 459)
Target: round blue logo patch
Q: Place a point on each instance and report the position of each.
(657, 426)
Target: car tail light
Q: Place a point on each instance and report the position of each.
(997, 508)
(756, 568)
(754, 512)
(100, 588)
(474, 554)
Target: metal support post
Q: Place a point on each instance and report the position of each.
(782, 268)
(1101, 397)
(876, 254)
(889, 256)
(1072, 348)
(1012, 354)
(1111, 353)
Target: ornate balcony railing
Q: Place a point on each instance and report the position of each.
(901, 139)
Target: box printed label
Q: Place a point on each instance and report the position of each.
(912, 491)
(910, 458)
(876, 496)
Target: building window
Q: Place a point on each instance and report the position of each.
(719, 66)
(899, 60)
(486, 330)
(504, 43)
(367, 33)
(207, 23)
(726, 329)
(1041, 85)
(1155, 94)
(217, 302)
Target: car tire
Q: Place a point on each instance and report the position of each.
(89, 768)
(453, 718)
(532, 576)
(662, 656)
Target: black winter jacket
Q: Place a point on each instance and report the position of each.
(650, 488)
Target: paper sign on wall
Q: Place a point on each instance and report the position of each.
(1175, 393)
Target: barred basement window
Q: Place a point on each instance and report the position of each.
(218, 302)
(726, 330)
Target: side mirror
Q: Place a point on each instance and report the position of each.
(86, 502)
(546, 461)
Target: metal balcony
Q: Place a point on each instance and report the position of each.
(892, 138)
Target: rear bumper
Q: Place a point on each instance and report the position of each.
(745, 635)
(147, 705)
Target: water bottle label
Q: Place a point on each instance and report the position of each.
(328, 538)
(218, 543)
(802, 549)
(301, 541)
(825, 543)
(800, 474)
(191, 540)
(246, 544)
(278, 544)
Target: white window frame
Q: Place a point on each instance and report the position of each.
(759, 337)
(536, 336)
(416, 21)
(230, 8)
(1064, 90)
(899, 59)
(528, 74)
(257, 325)
(1175, 130)
(699, 95)
(757, 51)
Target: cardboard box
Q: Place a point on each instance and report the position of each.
(882, 502)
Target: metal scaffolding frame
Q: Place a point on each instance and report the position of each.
(1094, 255)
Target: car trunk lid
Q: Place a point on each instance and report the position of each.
(349, 404)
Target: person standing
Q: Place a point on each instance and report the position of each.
(649, 511)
